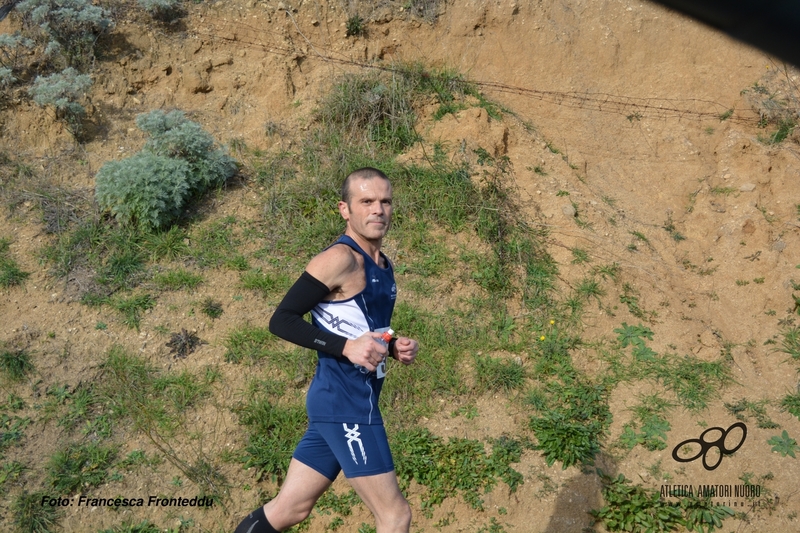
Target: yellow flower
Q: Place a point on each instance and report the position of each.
(552, 322)
(541, 338)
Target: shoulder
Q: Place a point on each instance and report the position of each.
(335, 265)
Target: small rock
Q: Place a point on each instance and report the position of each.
(569, 211)
(779, 246)
(748, 187)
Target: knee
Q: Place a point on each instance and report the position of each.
(399, 517)
(285, 516)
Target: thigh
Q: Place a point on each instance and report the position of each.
(361, 450)
(315, 451)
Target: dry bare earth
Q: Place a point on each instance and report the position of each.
(630, 165)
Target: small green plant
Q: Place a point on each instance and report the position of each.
(791, 403)
(132, 307)
(496, 374)
(580, 256)
(29, 515)
(784, 444)
(15, 364)
(78, 466)
(669, 226)
(166, 245)
(649, 417)
(178, 161)
(571, 425)
(12, 430)
(743, 409)
(136, 460)
(589, 287)
(791, 342)
(355, 27)
(211, 308)
(64, 91)
(630, 297)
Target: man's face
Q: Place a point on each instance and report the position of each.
(369, 212)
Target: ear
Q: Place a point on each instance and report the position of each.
(344, 210)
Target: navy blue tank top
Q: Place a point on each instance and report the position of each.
(342, 391)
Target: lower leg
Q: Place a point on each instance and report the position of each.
(300, 491)
(256, 522)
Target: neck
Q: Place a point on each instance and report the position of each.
(371, 247)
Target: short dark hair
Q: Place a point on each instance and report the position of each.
(366, 173)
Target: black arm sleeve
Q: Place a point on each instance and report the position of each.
(287, 321)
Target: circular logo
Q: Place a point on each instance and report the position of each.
(706, 446)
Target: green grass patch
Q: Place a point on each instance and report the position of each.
(649, 427)
(571, 420)
(175, 280)
(154, 401)
(745, 409)
(494, 374)
(273, 431)
(635, 508)
(265, 284)
(15, 364)
(10, 273)
(248, 344)
(458, 466)
(791, 403)
(79, 466)
(29, 515)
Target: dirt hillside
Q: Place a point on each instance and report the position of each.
(634, 136)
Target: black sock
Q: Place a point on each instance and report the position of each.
(256, 522)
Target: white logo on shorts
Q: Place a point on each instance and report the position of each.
(352, 435)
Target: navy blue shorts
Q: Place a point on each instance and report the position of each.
(358, 449)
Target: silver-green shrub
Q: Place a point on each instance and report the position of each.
(173, 135)
(12, 47)
(6, 77)
(69, 27)
(161, 9)
(145, 189)
(177, 162)
(64, 91)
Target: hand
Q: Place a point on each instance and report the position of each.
(366, 350)
(405, 350)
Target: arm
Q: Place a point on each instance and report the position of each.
(287, 322)
(325, 276)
